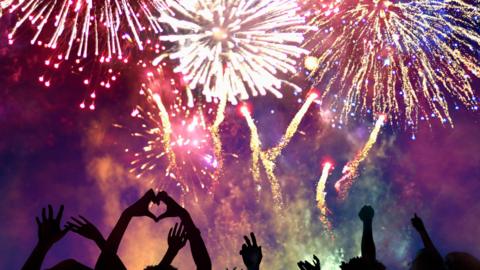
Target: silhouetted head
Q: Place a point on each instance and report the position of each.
(70, 265)
(160, 267)
(462, 261)
(358, 263)
(427, 261)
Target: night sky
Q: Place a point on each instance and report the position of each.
(52, 152)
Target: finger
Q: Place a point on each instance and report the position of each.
(244, 247)
(150, 215)
(38, 221)
(77, 221)
(60, 213)
(44, 215)
(70, 224)
(50, 212)
(150, 195)
(247, 241)
(162, 216)
(175, 229)
(84, 219)
(254, 240)
(181, 229)
(170, 233)
(315, 258)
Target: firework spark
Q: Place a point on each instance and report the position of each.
(231, 46)
(404, 58)
(269, 156)
(350, 170)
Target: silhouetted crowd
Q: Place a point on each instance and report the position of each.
(50, 231)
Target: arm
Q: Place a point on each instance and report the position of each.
(177, 238)
(417, 223)
(199, 250)
(368, 245)
(251, 253)
(49, 233)
(108, 258)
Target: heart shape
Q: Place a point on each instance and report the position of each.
(157, 209)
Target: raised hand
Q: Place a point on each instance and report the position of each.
(141, 207)
(305, 265)
(86, 229)
(251, 253)
(417, 223)
(366, 213)
(177, 237)
(49, 231)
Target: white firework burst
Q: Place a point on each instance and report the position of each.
(228, 47)
(68, 25)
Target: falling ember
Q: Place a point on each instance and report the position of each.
(350, 171)
(408, 59)
(320, 197)
(269, 156)
(233, 47)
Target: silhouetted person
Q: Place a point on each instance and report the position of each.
(368, 261)
(49, 233)
(177, 238)
(251, 253)
(305, 265)
(197, 246)
(427, 258)
(462, 261)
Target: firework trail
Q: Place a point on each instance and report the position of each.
(232, 46)
(408, 59)
(269, 156)
(350, 171)
(320, 197)
(217, 141)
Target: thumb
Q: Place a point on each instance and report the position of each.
(151, 215)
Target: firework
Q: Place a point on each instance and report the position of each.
(86, 27)
(268, 157)
(320, 197)
(176, 140)
(235, 46)
(408, 59)
(350, 170)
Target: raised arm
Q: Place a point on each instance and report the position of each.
(177, 238)
(417, 223)
(108, 259)
(49, 232)
(197, 245)
(368, 245)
